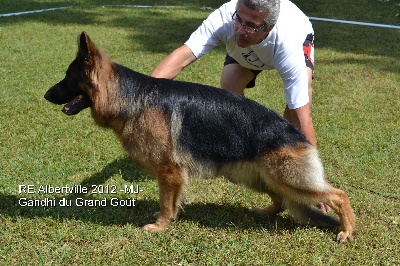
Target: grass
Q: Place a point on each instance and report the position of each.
(356, 102)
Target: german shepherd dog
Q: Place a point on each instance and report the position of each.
(177, 129)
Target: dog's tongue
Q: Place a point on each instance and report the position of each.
(76, 105)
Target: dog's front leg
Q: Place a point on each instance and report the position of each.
(171, 180)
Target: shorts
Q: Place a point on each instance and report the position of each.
(308, 48)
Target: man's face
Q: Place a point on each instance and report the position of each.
(248, 17)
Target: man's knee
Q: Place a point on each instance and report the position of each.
(235, 78)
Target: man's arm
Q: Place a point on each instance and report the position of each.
(173, 64)
(301, 118)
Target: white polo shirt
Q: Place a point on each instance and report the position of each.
(281, 50)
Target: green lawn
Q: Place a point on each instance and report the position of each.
(356, 104)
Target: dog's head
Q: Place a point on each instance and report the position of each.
(76, 89)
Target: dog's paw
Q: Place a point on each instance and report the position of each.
(153, 228)
(346, 236)
(157, 214)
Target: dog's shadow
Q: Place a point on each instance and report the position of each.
(202, 214)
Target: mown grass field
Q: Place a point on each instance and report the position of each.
(356, 104)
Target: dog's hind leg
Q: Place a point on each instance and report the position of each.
(296, 174)
(171, 181)
(340, 203)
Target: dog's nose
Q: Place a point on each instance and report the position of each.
(47, 96)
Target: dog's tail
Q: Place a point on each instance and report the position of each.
(311, 215)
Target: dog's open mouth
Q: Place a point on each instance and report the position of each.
(77, 104)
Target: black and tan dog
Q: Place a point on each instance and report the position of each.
(179, 129)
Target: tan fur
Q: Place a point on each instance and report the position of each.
(171, 181)
(340, 203)
(297, 167)
(106, 90)
(147, 139)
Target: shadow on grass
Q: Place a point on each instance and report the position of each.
(152, 28)
(160, 30)
(203, 214)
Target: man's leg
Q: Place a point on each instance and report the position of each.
(235, 78)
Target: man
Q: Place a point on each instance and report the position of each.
(259, 35)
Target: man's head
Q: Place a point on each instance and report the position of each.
(254, 19)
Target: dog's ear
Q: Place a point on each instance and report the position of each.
(85, 46)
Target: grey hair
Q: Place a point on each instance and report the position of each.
(272, 6)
